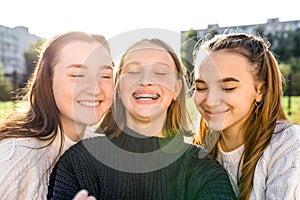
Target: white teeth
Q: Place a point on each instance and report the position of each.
(89, 103)
(146, 96)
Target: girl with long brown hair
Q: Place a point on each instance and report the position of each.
(238, 92)
(71, 88)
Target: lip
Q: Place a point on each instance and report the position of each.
(214, 114)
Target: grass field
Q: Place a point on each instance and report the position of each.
(295, 108)
(7, 107)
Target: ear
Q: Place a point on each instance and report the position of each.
(178, 88)
(259, 92)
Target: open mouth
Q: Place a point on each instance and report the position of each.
(146, 96)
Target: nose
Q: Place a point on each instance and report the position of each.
(214, 97)
(146, 78)
(92, 86)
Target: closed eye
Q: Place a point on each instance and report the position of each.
(201, 88)
(77, 75)
(133, 72)
(160, 73)
(229, 89)
(106, 76)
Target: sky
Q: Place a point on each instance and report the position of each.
(46, 18)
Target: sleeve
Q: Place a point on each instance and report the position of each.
(63, 183)
(21, 170)
(283, 180)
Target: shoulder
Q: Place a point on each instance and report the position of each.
(286, 134)
(201, 160)
(22, 162)
(85, 147)
(206, 175)
(14, 148)
(284, 146)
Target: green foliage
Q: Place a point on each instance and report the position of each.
(285, 45)
(31, 58)
(6, 107)
(294, 108)
(5, 86)
(295, 64)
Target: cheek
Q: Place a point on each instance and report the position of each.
(241, 105)
(124, 88)
(199, 98)
(107, 88)
(109, 92)
(124, 92)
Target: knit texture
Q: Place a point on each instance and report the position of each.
(25, 167)
(277, 172)
(117, 169)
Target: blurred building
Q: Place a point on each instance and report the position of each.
(14, 42)
(272, 26)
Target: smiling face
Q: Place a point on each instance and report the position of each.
(82, 85)
(225, 91)
(148, 83)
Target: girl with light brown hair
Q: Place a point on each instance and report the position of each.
(238, 92)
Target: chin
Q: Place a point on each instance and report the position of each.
(216, 127)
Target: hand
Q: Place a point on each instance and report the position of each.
(83, 195)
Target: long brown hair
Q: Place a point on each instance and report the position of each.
(177, 115)
(42, 118)
(260, 124)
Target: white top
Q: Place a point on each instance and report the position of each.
(23, 167)
(230, 161)
(277, 173)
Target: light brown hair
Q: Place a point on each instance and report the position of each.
(260, 124)
(177, 115)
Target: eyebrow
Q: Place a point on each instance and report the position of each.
(229, 79)
(138, 63)
(84, 66)
(74, 66)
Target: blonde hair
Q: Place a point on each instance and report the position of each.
(177, 115)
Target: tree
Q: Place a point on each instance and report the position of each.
(5, 86)
(295, 75)
(285, 45)
(31, 58)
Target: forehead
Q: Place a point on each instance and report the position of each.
(222, 64)
(83, 52)
(149, 54)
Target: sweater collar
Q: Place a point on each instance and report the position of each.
(132, 141)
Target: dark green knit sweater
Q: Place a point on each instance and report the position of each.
(133, 166)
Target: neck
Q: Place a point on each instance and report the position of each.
(230, 141)
(147, 127)
(74, 131)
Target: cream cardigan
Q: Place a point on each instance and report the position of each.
(277, 173)
(23, 167)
